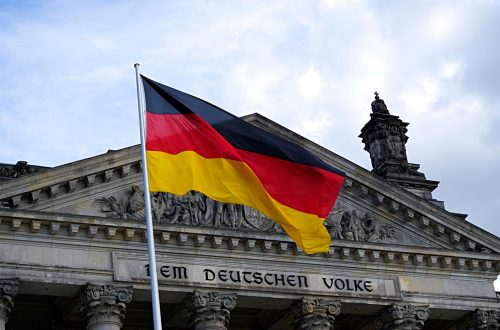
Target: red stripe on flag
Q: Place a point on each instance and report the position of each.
(294, 185)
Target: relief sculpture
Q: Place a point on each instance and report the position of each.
(354, 226)
(196, 209)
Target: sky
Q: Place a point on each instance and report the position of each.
(67, 83)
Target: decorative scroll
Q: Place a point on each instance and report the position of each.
(209, 310)
(105, 304)
(197, 210)
(480, 319)
(314, 314)
(403, 317)
(8, 289)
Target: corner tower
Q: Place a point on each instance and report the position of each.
(385, 139)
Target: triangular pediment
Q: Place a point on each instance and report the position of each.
(369, 209)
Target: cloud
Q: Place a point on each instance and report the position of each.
(67, 87)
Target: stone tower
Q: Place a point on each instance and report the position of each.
(385, 139)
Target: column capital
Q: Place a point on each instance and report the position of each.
(8, 289)
(209, 310)
(403, 317)
(316, 314)
(104, 306)
(480, 320)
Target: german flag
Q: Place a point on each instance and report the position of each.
(194, 145)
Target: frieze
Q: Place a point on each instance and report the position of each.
(134, 268)
(197, 210)
(353, 225)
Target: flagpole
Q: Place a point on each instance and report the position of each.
(147, 204)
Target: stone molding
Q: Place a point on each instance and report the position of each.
(8, 289)
(105, 305)
(403, 317)
(481, 320)
(419, 218)
(110, 230)
(65, 179)
(317, 314)
(209, 310)
(397, 202)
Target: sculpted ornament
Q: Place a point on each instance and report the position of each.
(318, 314)
(354, 226)
(209, 310)
(197, 210)
(8, 289)
(403, 317)
(21, 168)
(105, 304)
(481, 319)
(192, 209)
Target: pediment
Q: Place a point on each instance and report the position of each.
(369, 209)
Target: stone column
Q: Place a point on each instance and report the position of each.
(403, 317)
(481, 320)
(314, 314)
(103, 306)
(8, 289)
(209, 310)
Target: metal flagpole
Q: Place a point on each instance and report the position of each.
(147, 204)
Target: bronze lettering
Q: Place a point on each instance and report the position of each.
(179, 273)
(328, 285)
(302, 277)
(165, 271)
(257, 278)
(348, 286)
(357, 285)
(266, 280)
(368, 286)
(236, 279)
(290, 279)
(245, 277)
(223, 275)
(339, 284)
(209, 272)
(281, 279)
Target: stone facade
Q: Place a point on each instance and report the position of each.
(73, 251)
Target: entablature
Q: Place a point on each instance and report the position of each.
(52, 227)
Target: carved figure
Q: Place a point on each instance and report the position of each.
(196, 209)
(371, 228)
(347, 226)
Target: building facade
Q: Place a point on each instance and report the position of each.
(73, 251)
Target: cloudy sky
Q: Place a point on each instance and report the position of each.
(67, 85)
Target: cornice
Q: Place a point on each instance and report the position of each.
(61, 226)
(391, 197)
(72, 177)
(360, 185)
